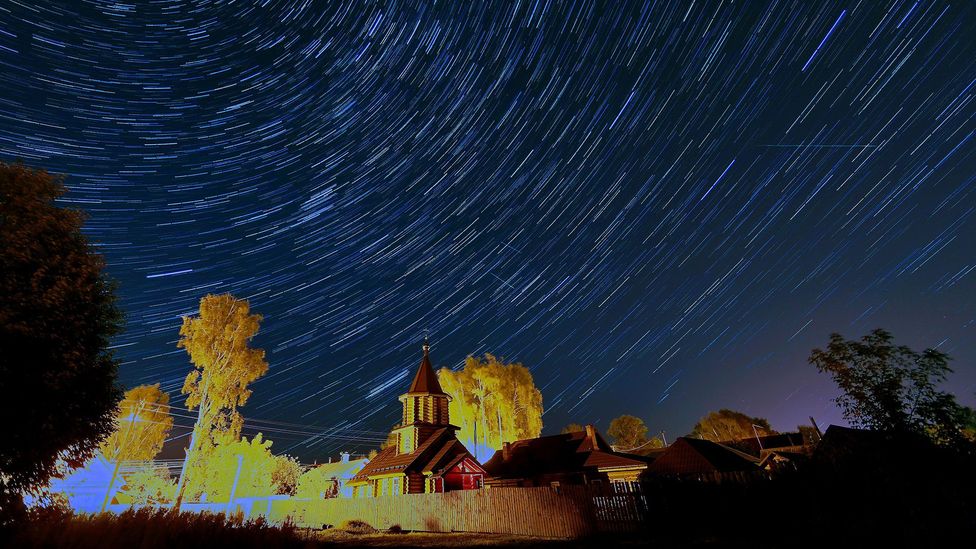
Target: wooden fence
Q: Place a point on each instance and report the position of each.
(563, 512)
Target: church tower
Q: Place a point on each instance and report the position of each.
(425, 408)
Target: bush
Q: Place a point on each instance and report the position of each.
(356, 527)
(395, 529)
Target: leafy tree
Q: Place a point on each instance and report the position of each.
(316, 484)
(890, 387)
(493, 402)
(149, 486)
(627, 432)
(216, 480)
(572, 428)
(285, 473)
(224, 365)
(141, 425)
(729, 425)
(58, 388)
(969, 423)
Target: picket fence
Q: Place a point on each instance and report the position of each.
(552, 512)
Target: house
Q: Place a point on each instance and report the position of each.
(427, 456)
(582, 457)
(762, 446)
(332, 479)
(695, 457)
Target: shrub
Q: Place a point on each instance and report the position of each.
(356, 527)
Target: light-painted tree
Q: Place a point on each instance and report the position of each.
(492, 402)
(142, 424)
(285, 473)
(257, 465)
(572, 428)
(224, 364)
(317, 483)
(149, 486)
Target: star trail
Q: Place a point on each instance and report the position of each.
(659, 208)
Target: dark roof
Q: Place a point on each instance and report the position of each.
(692, 455)
(564, 453)
(425, 381)
(769, 442)
(439, 452)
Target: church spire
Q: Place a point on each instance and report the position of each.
(425, 381)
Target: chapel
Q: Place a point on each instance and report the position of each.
(426, 456)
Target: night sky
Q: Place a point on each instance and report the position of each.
(659, 208)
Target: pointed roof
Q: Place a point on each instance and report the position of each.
(425, 381)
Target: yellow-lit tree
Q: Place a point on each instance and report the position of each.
(149, 486)
(224, 365)
(627, 432)
(572, 428)
(492, 402)
(256, 468)
(317, 484)
(141, 426)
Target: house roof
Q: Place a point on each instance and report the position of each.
(341, 469)
(770, 442)
(425, 380)
(692, 455)
(434, 456)
(563, 453)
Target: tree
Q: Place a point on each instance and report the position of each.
(316, 483)
(493, 402)
(149, 486)
(142, 424)
(627, 432)
(58, 387)
(285, 473)
(257, 465)
(890, 387)
(572, 428)
(141, 427)
(224, 365)
(730, 425)
(969, 423)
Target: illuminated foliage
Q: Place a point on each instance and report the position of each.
(572, 428)
(627, 432)
(216, 479)
(492, 402)
(57, 314)
(224, 365)
(317, 483)
(149, 486)
(727, 425)
(141, 425)
(890, 387)
(285, 473)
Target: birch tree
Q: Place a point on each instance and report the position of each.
(218, 342)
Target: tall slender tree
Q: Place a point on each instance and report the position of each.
(218, 342)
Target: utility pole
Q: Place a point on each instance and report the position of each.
(233, 489)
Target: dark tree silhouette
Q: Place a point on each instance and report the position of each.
(890, 387)
(58, 391)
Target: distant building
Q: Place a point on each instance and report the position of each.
(695, 457)
(427, 456)
(582, 457)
